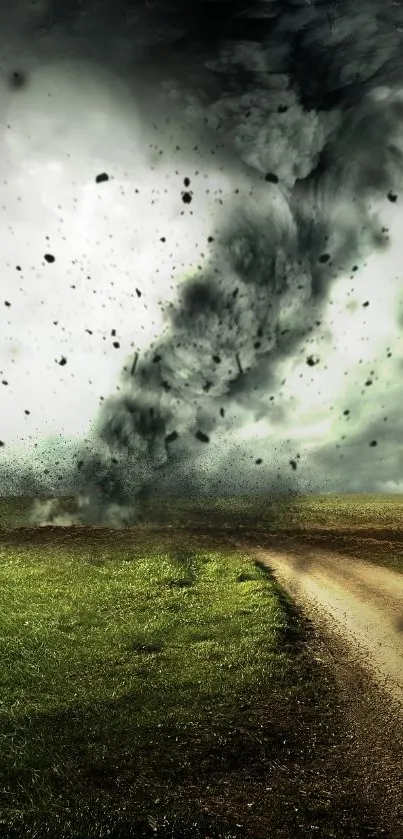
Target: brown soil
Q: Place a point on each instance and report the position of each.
(357, 608)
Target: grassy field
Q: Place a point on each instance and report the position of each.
(337, 512)
(155, 682)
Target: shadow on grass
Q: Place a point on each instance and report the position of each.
(296, 629)
(199, 827)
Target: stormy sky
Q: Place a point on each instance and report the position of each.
(201, 248)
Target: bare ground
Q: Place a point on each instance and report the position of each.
(357, 608)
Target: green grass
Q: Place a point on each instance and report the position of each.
(162, 679)
(98, 658)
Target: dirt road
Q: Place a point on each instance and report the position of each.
(360, 601)
(358, 610)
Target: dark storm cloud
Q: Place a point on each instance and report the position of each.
(305, 97)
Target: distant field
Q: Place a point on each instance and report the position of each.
(311, 511)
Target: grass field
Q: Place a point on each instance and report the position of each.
(369, 527)
(160, 684)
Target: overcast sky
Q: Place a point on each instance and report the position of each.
(88, 268)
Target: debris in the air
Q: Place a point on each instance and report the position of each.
(271, 177)
(171, 437)
(222, 412)
(346, 412)
(138, 292)
(216, 359)
(17, 79)
(202, 437)
(6, 303)
(311, 361)
(62, 361)
(134, 365)
(293, 463)
(238, 361)
(49, 257)
(116, 345)
(373, 443)
(2, 443)
(186, 197)
(324, 257)
(157, 358)
(392, 196)
(186, 181)
(259, 461)
(366, 303)
(101, 178)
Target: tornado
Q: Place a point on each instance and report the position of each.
(304, 99)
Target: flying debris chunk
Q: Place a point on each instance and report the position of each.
(202, 437)
(373, 443)
(293, 463)
(101, 178)
(134, 365)
(392, 196)
(17, 79)
(259, 461)
(171, 437)
(186, 197)
(324, 257)
(222, 412)
(62, 361)
(271, 177)
(49, 257)
(238, 361)
(311, 361)
(2, 443)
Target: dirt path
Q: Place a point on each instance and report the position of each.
(358, 610)
(362, 602)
